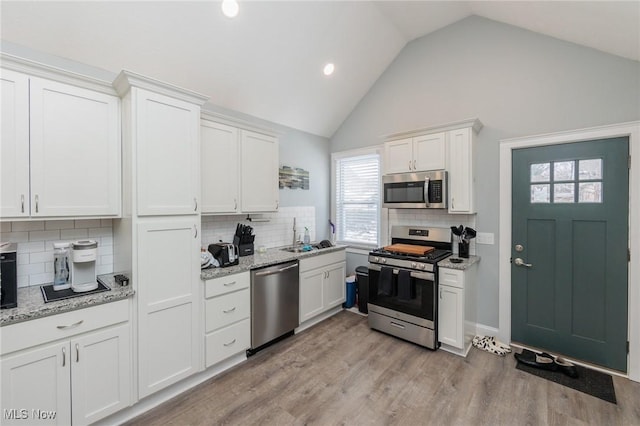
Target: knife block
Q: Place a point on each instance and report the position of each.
(244, 249)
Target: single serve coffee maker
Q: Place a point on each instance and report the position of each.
(83, 265)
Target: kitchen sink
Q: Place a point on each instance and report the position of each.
(297, 249)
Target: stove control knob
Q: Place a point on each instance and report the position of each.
(384, 260)
(422, 266)
(413, 265)
(376, 259)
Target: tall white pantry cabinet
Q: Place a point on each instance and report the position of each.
(158, 236)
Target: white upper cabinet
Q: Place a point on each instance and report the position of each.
(14, 145)
(259, 168)
(220, 168)
(168, 155)
(60, 149)
(461, 153)
(416, 154)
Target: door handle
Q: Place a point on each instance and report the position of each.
(409, 164)
(520, 262)
(235, 204)
(195, 201)
(22, 203)
(37, 203)
(64, 357)
(195, 228)
(75, 324)
(77, 353)
(230, 343)
(395, 324)
(228, 311)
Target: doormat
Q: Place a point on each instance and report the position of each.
(589, 381)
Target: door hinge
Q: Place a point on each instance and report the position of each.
(627, 346)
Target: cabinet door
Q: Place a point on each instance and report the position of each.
(219, 166)
(75, 151)
(334, 285)
(398, 156)
(311, 293)
(451, 316)
(259, 154)
(461, 173)
(168, 276)
(168, 154)
(429, 152)
(14, 145)
(36, 386)
(100, 374)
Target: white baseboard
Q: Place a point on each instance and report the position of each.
(485, 330)
(315, 320)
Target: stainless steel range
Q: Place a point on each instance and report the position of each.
(403, 283)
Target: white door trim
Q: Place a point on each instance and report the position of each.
(630, 129)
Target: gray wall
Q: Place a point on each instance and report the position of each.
(297, 148)
(516, 82)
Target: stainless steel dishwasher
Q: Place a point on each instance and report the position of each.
(275, 295)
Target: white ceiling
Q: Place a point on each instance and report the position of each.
(268, 61)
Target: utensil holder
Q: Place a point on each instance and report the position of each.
(463, 250)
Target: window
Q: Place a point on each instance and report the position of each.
(357, 197)
(563, 185)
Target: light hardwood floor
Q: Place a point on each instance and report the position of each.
(341, 372)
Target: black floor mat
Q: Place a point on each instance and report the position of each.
(50, 295)
(589, 381)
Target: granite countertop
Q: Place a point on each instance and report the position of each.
(31, 303)
(271, 257)
(465, 264)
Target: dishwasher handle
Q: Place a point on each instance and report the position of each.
(275, 271)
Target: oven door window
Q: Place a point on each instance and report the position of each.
(420, 303)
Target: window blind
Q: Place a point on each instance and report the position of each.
(358, 199)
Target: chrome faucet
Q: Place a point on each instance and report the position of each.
(294, 233)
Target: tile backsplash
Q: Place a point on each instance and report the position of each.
(277, 232)
(35, 245)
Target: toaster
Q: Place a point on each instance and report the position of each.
(225, 253)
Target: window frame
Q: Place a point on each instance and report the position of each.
(335, 157)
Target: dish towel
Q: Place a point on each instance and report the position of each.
(406, 290)
(385, 286)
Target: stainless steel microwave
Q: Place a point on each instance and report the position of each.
(421, 190)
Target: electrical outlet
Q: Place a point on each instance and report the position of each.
(484, 238)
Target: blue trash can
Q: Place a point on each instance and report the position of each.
(351, 292)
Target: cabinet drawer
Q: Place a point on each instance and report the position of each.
(47, 329)
(322, 260)
(226, 284)
(226, 342)
(227, 309)
(451, 277)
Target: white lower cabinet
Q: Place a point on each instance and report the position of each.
(456, 309)
(227, 310)
(72, 381)
(322, 283)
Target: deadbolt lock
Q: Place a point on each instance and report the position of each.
(519, 248)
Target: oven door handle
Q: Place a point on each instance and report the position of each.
(427, 276)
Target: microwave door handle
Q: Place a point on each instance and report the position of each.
(426, 190)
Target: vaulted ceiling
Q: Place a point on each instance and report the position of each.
(267, 62)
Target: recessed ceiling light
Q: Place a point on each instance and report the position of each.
(230, 8)
(329, 69)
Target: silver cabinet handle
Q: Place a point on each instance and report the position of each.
(36, 203)
(22, 202)
(64, 327)
(77, 353)
(409, 164)
(195, 229)
(427, 182)
(229, 284)
(395, 324)
(230, 343)
(453, 203)
(440, 293)
(235, 204)
(520, 262)
(64, 357)
(414, 164)
(195, 201)
(277, 204)
(228, 311)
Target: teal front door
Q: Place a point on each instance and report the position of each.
(569, 250)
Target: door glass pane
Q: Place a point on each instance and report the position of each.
(563, 193)
(540, 193)
(563, 170)
(590, 169)
(540, 172)
(590, 192)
